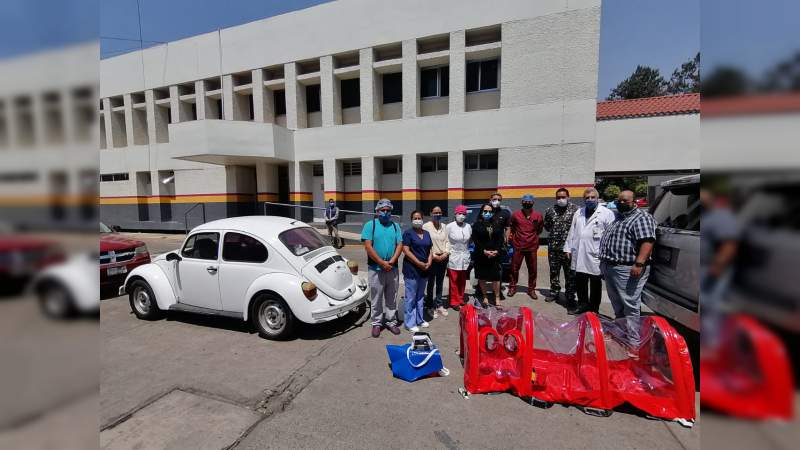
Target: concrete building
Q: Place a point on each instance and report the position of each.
(424, 103)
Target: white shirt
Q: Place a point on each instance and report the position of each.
(459, 237)
(583, 241)
(438, 237)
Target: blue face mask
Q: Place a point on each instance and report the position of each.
(590, 204)
(385, 216)
(487, 215)
(436, 217)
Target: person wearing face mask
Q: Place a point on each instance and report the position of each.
(417, 246)
(459, 234)
(332, 221)
(582, 249)
(526, 225)
(625, 250)
(488, 237)
(557, 221)
(441, 252)
(502, 215)
(383, 241)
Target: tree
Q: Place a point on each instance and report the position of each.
(640, 189)
(686, 79)
(784, 76)
(611, 192)
(644, 82)
(726, 81)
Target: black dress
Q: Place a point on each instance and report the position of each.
(487, 236)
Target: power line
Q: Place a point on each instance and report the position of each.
(117, 38)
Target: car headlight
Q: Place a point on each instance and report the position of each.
(141, 250)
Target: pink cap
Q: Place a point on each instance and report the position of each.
(461, 209)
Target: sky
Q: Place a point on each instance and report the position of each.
(658, 33)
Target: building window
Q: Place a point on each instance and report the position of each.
(435, 82)
(351, 168)
(482, 75)
(114, 177)
(433, 163)
(312, 98)
(280, 102)
(351, 94)
(392, 87)
(392, 165)
(317, 170)
(480, 161)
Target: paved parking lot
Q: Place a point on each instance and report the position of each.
(209, 382)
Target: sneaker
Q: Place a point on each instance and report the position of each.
(424, 324)
(436, 313)
(442, 311)
(394, 329)
(413, 329)
(376, 331)
(551, 298)
(511, 291)
(456, 308)
(532, 295)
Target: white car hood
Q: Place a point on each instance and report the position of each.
(330, 273)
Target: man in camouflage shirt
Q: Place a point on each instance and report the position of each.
(557, 221)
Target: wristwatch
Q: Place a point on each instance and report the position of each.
(638, 264)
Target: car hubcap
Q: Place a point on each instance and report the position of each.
(141, 299)
(272, 316)
(55, 302)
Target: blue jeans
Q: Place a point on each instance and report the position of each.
(414, 302)
(625, 293)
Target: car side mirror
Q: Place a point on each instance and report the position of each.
(173, 257)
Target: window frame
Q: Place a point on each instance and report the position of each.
(278, 111)
(350, 165)
(222, 253)
(314, 172)
(439, 82)
(342, 96)
(480, 63)
(194, 235)
(436, 163)
(383, 88)
(481, 157)
(117, 176)
(399, 166)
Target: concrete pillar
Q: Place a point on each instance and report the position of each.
(12, 123)
(259, 95)
(266, 185)
(150, 109)
(174, 105)
(370, 103)
(67, 110)
(370, 184)
(455, 180)
(39, 122)
(106, 118)
(296, 116)
(227, 97)
(410, 80)
(127, 101)
(411, 195)
(300, 185)
(330, 97)
(199, 99)
(458, 70)
(333, 182)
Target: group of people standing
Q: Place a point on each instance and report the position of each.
(587, 244)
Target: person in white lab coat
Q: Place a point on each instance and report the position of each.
(583, 248)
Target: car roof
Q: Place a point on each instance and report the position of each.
(264, 227)
(689, 179)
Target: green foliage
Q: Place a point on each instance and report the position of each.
(611, 192)
(640, 189)
(686, 79)
(644, 82)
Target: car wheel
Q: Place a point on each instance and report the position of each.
(55, 300)
(143, 301)
(272, 317)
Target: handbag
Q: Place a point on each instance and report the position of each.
(410, 362)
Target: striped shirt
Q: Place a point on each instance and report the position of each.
(620, 242)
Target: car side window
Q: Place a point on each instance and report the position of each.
(201, 246)
(242, 248)
(680, 209)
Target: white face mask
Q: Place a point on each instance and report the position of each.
(561, 202)
(416, 223)
(460, 218)
(495, 203)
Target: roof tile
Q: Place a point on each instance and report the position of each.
(649, 107)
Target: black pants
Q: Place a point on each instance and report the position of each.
(589, 290)
(435, 277)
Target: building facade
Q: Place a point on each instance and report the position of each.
(424, 103)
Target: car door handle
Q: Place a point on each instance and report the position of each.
(211, 269)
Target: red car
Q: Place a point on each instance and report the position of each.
(118, 256)
(641, 202)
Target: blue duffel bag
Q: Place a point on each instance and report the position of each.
(411, 364)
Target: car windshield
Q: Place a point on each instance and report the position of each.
(301, 240)
(104, 228)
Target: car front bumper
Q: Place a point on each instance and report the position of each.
(339, 309)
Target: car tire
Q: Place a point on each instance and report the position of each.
(143, 301)
(272, 317)
(55, 300)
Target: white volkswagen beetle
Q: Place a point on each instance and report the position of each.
(272, 271)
